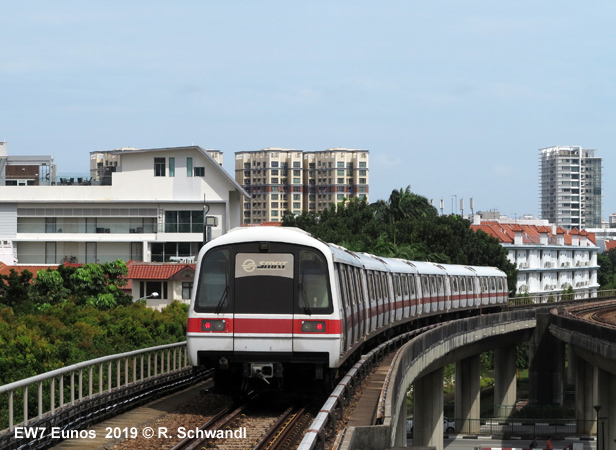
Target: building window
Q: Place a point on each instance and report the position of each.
(189, 167)
(184, 221)
(274, 171)
(186, 290)
(274, 205)
(275, 180)
(163, 252)
(296, 181)
(362, 165)
(199, 171)
(50, 225)
(274, 163)
(171, 167)
(296, 205)
(147, 288)
(297, 164)
(159, 167)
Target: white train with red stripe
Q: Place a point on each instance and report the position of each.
(273, 303)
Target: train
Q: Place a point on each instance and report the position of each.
(273, 305)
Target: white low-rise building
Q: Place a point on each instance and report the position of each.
(151, 207)
(550, 260)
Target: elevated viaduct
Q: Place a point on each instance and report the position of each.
(592, 355)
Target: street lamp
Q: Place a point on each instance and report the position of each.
(152, 295)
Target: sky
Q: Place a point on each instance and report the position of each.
(451, 98)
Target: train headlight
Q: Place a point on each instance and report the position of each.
(313, 326)
(212, 325)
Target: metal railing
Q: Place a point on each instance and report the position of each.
(558, 297)
(324, 425)
(64, 387)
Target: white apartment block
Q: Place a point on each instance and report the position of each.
(280, 180)
(570, 187)
(549, 259)
(150, 207)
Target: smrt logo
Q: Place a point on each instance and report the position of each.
(249, 265)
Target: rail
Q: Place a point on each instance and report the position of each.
(71, 387)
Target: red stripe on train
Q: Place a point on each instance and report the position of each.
(263, 326)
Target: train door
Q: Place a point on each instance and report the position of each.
(398, 302)
(434, 294)
(462, 287)
(378, 284)
(406, 293)
(425, 294)
(344, 331)
(352, 311)
(447, 286)
(264, 292)
(391, 296)
(412, 295)
(493, 293)
(416, 282)
(358, 301)
(483, 288)
(455, 291)
(374, 305)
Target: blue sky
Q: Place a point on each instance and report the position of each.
(450, 97)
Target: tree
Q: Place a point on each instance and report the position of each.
(14, 289)
(405, 226)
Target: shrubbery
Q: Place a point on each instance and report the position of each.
(66, 334)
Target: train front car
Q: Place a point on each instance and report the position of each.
(262, 313)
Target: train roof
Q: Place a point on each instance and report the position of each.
(487, 271)
(340, 254)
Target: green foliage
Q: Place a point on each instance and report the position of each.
(486, 382)
(406, 226)
(68, 333)
(606, 275)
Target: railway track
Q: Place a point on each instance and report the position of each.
(600, 313)
(261, 423)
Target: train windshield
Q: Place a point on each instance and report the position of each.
(284, 279)
(213, 292)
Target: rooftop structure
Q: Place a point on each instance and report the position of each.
(151, 208)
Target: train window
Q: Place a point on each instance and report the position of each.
(370, 285)
(397, 289)
(433, 287)
(313, 282)
(492, 284)
(425, 286)
(385, 285)
(343, 286)
(500, 284)
(454, 284)
(377, 285)
(405, 286)
(462, 284)
(214, 284)
(483, 284)
(412, 285)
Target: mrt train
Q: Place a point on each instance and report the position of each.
(273, 304)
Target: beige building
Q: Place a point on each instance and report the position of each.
(280, 180)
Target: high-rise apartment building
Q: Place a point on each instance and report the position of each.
(571, 187)
(280, 180)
